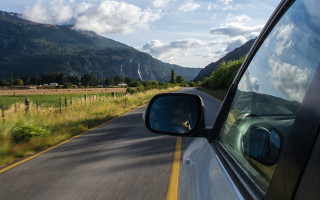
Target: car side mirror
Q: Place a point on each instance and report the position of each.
(262, 143)
(178, 114)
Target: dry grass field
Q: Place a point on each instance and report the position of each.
(60, 91)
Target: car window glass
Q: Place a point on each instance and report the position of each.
(270, 92)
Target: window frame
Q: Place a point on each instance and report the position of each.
(283, 185)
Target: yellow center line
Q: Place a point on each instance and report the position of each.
(174, 176)
(61, 143)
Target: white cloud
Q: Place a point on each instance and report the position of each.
(157, 48)
(226, 1)
(98, 16)
(289, 79)
(186, 52)
(235, 42)
(231, 7)
(248, 83)
(238, 18)
(283, 38)
(189, 6)
(160, 3)
(236, 29)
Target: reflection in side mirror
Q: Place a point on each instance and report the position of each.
(262, 144)
(175, 113)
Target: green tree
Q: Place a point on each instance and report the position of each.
(26, 79)
(89, 80)
(224, 75)
(18, 82)
(4, 83)
(109, 81)
(180, 79)
(117, 79)
(135, 84)
(172, 76)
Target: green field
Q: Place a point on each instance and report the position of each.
(52, 100)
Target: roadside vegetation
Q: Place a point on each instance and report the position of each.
(26, 129)
(220, 80)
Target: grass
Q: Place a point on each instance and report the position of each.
(61, 124)
(52, 100)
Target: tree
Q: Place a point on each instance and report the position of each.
(128, 80)
(179, 79)
(73, 79)
(35, 80)
(172, 76)
(18, 82)
(61, 78)
(117, 79)
(109, 81)
(11, 79)
(26, 79)
(89, 80)
(4, 83)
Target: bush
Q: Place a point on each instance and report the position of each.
(224, 75)
(135, 84)
(23, 133)
(68, 85)
(131, 90)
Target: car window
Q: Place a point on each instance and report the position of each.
(270, 92)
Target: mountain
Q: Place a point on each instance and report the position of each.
(233, 55)
(29, 48)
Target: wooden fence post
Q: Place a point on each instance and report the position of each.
(66, 103)
(15, 107)
(38, 107)
(27, 104)
(60, 104)
(71, 102)
(3, 116)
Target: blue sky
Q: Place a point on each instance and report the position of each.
(190, 33)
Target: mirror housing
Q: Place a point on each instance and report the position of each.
(178, 114)
(262, 143)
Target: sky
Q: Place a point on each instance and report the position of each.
(189, 33)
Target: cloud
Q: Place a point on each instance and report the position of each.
(248, 83)
(283, 38)
(189, 6)
(236, 29)
(238, 18)
(235, 43)
(289, 79)
(98, 16)
(160, 3)
(226, 1)
(188, 52)
(157, 48)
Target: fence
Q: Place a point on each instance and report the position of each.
(65, 104)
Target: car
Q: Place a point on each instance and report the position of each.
(265, 140)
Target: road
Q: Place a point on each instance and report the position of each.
(119, 160)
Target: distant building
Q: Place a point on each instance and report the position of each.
(100, 86)
(122, 84)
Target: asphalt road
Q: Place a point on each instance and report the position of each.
(119, 160)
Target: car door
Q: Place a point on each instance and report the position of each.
(267, 125)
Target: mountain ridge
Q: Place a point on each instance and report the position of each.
(236, 54)
(29, 48)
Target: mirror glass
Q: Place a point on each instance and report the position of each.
(262, 144)
(174, 114)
